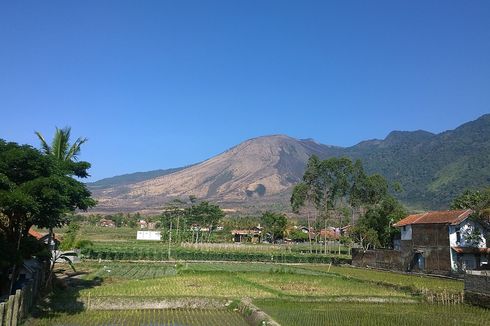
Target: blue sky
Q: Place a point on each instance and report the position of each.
(161, 84)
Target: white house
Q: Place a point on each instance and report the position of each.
(468, 245)
(442, 242)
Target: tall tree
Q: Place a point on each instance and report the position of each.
(204, 214)
(336, 186)
(66, 154)
(275, 224)
(478, 201)
(307, 193)
(35, 189)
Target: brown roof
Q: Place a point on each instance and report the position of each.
(35, 234)
(471, 250)
(436, 217)
(245, 232)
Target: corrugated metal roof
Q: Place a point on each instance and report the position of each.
(436, 217)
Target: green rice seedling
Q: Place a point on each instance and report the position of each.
(357, 313)
(191, 317)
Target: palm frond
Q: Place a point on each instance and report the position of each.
(44, 143)
(75, 149)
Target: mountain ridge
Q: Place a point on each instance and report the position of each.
(260, 172)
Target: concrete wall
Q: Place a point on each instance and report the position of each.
(380, 258)
(477, 288)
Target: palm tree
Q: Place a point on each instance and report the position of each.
(60, 146)
(62, 150)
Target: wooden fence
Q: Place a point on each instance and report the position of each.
(14, 310)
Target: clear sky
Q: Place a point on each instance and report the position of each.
(161, 84)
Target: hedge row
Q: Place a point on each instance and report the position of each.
(185, 254)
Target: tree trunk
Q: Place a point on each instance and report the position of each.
(325, 238)
(15, 270)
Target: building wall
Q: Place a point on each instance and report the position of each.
(431, 242)
(465, 228)
(406, 232)
(387, 259)
(477, 288)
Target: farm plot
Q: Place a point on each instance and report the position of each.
(320, 286)
(168, 317)
(218, 285)
(133, 270)
(379, 314)
(416, 282)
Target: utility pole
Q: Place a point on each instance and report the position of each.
(169, 239)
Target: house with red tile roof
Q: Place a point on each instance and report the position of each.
(44, 237)
(442, 242)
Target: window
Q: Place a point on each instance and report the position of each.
(458, 235)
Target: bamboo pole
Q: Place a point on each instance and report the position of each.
(2, 313)
(16, 309)
(9, 311)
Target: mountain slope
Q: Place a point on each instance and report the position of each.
(432, 169)
(256, 169)
(260, 172)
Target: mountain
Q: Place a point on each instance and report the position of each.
(124, 179)
(259, 173)
(258, 170)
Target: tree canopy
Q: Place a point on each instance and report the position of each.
(36, 189)
(275, 224)
(478, 201)
(338, 185)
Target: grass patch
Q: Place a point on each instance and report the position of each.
(319, 286)
(289, 313)
(144, 317)
(417, 283)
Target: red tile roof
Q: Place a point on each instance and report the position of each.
(471, 250)
(35, 234)
(436, 217)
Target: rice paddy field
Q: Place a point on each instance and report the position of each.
(149, 317)
(349, 313)
(180, 293)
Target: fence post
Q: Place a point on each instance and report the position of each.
(2, 313)
(16, 310)
(9, 311)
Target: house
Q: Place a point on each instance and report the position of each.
(442, 242)
(253, 235)
(143, 224)
(107, 223)
(44, 238)
(330, 233)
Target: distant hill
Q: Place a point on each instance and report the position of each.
(125, 179)
(259, 173)
(432, 169)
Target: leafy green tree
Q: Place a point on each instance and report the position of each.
(70, 236)
(365, 236)
(174, 216)
(381, 218)
(477, 200)
(337, 185)
(66, 154)
(275, 224)
(307, 192)
(204, 214)
(35, 189)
